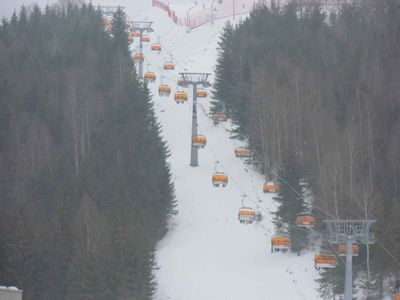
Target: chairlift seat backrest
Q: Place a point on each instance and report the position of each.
(342, 248)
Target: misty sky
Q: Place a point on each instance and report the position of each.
(133, 7)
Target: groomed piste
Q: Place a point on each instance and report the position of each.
(208, 253)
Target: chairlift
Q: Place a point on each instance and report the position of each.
(201, 94)
(342, 248)
(305, 220)
(145, 39)
(247, 215)
(164, 90)
(150, 76)
(169, 65)
(182, 83)
(199, 141)
(219, 179)
(324, 261)
(242, 152)
(135, 34)
(137, 57)
(219, 117)
(180, 97)
(130, 39)
(280, 243)
(270, 187)
(155, 47)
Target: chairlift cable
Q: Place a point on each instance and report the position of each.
(388, 252)
(241, 189)
(297, 192)
(236, 182)
(244, 195)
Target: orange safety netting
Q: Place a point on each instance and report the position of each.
(171, 13)
(229, 8)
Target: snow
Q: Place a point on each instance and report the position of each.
(207, 254)
(9, 288)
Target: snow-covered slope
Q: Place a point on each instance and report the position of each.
(207, 254)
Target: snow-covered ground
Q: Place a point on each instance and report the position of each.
(207, 254)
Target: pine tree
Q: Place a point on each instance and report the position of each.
(23, 20)
(225, 70)
(325, 92)
(87, 278)
(291, 199)
(331, 281)
(72, 93)
(119, 32)
(290, 195)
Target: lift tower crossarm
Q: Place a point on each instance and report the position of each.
(195, 79)
(144, 25)
(141, 26)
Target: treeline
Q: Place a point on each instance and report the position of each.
(318, 97)
(85, 188)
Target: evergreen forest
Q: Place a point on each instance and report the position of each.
(85, 189)
(317, 95)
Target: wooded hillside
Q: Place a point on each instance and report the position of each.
(84, 184)
(322, 92)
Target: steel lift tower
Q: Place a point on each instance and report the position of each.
(350, 232)
(194, 79)
(141, 26)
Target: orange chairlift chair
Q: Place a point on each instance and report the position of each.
(138, 57)
(270, 187)
(182, 83)
(219, 117)
(242, 152)
(280, 243)
(247, 215)
(219, 179)
(325, 261)
(150, 76)
(145, 39)
(342, 248)
(156, 46)
(164, 90)
(169, 65)
(199, 141)
(180, 97)
(201, 93)
(305, 220)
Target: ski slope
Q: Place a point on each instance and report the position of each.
(207, 254)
